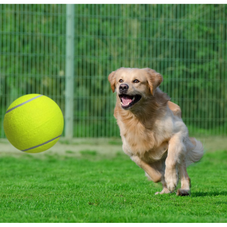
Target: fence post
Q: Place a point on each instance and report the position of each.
(69, 83)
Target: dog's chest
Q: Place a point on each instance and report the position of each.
(142, 142)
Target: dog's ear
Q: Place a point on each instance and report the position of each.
(111, 79)
(154, 79)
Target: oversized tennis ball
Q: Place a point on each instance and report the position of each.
(33, 123)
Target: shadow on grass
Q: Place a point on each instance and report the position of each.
(203, 194)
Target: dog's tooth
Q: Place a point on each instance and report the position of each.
(125, 104)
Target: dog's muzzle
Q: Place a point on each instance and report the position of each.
(123, 88)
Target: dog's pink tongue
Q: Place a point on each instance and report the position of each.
(126, 100)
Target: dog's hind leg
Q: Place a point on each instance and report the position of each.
(185, 180)
(176, 153)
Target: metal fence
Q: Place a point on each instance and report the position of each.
(40, 52)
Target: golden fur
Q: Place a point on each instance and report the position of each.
(152, 131)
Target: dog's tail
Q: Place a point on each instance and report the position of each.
(195, 152)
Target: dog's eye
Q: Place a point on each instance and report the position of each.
(121, 81)
(135, 81)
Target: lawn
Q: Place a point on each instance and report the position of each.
(91, 188)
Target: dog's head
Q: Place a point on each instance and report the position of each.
(132, 84)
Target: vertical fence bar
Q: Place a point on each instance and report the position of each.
(69, 83)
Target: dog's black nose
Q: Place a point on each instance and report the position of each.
(123, 88)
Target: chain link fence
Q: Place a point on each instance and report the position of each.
(187, 44)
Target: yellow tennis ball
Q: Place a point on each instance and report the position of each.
(33, 123)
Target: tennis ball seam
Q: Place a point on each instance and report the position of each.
(21, 104)
(41, 144)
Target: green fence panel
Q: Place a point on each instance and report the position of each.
(187, 44)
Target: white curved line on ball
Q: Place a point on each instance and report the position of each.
(23, 103)
(41, 144)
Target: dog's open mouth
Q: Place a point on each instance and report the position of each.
(129, 100)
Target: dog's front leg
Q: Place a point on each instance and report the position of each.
(154, 174)
(176, 151)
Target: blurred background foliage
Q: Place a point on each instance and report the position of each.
(187, 44)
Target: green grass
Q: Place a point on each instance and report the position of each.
(93, 189)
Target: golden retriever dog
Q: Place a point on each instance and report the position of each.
(151, 128)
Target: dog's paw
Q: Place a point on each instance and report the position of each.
(171, 185)
(164, 191)
(183, 192)
(171, 179)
